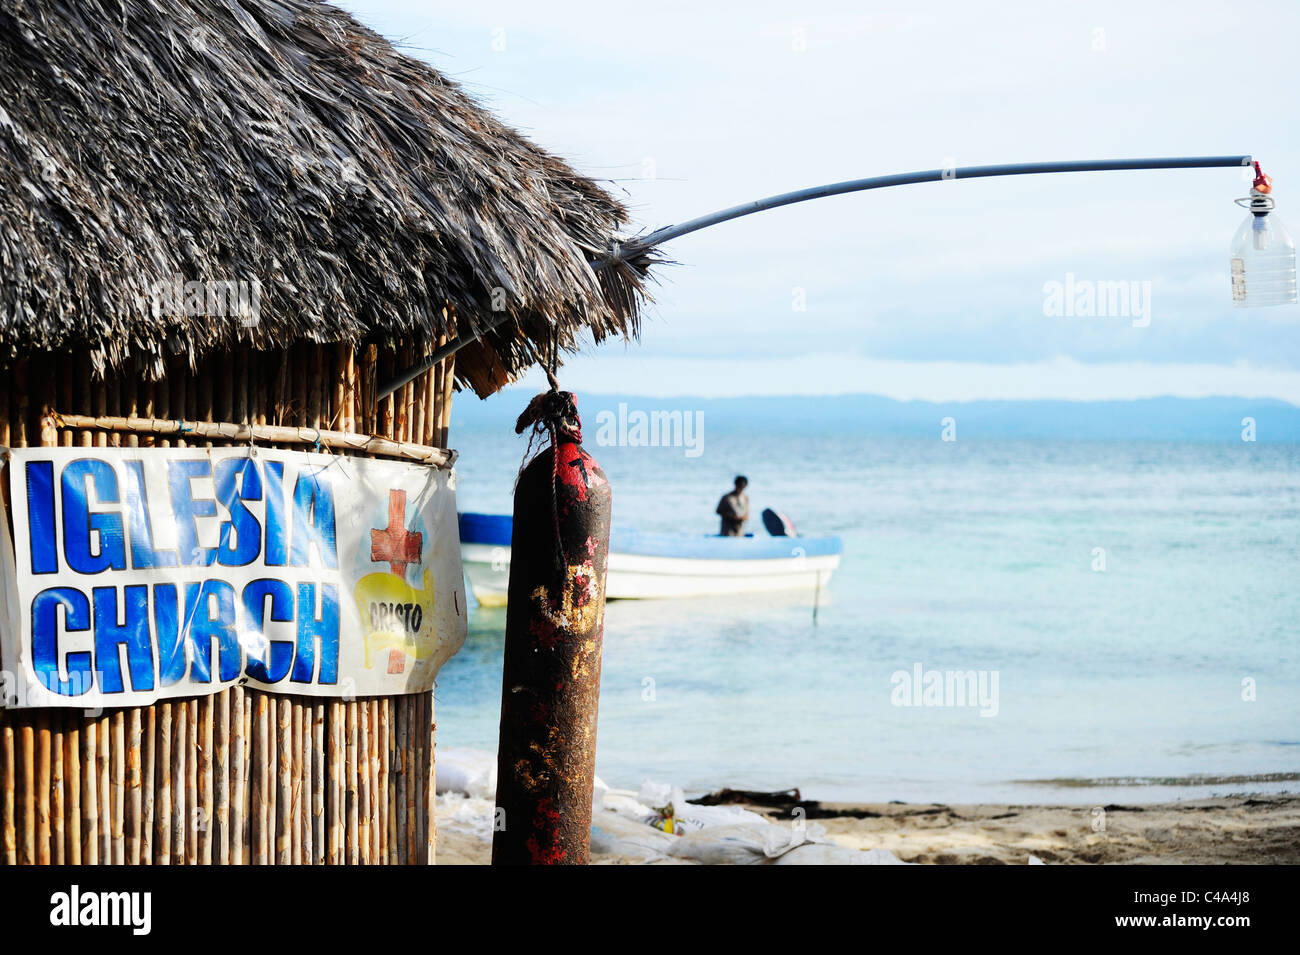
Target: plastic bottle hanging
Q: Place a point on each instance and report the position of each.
(1263, 252)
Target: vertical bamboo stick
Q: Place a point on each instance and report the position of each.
(386, 782)
(58, 791)
(238, 776)
(250, 792)
(419, 739)
(308, 785)
(177, 375)
(148, 778)
(163, 800)
(341, 412)
(421, 411)
(117, 769)
(433, 384)
(90, 793)
(193, 811)
(181, 807)
(320, 758)
(241, 362)
(21, 404)
(134, 779)
(284, 799)
(376, 810)
(7, 771)
(300, 787)
(72, 770)
(262, 770)
(222, 773)
(336, 808)
(27, 819)
(353, 820)
(206, 781)
(404, 816)
(270, 765)
(432, 784)
(103, 761)
(448, 388)
(131, 405)
(369, 814)
(41, 847)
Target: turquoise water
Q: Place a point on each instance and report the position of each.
(1122, 684)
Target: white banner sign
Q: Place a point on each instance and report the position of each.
(137, 574)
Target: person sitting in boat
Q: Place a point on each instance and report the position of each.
(734, 509)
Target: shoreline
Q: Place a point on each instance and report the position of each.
(1231, 830)
(1241, 830)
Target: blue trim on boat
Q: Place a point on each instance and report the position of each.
(494, 529)
(485, 528)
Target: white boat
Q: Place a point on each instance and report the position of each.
(647, 565)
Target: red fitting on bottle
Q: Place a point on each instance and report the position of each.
(1263, 184)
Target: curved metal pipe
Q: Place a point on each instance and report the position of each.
(670, 232)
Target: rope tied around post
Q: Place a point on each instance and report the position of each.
(554, 414)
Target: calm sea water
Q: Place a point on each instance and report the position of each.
(1122, 684)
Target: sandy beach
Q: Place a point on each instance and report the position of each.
(1239, 830)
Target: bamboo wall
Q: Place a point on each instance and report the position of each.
(241, 776)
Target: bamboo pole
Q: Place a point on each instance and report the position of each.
(90, 794)
(41, 847)
(388, 793)
(262, 770)
(432, 783)
(419, 790)
(27, 758)
(103, 769)
(301, 787)
(319, 763)
(163, 814)
(353, 807)
(117, 768)
(250, 783)
(72, 785)
(58, 791)
(336, 808)
(221, 773)
(134, 778)
(364, 737)
(181, 807)
(7, 768)
(207, 782)
(148, 779)
(194, 819)
(270, 766)
(404, 816)
(432, 385)
(277, 434)
(284, 799)
(238, 776)
(376, 806)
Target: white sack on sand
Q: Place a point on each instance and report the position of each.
(470, 772)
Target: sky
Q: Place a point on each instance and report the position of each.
(937, 291)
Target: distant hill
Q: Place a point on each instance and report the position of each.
(1147, 419)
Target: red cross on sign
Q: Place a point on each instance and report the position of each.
(395, 544)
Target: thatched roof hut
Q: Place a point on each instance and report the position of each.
(157, 160)
(277, 140)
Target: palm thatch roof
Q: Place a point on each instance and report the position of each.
(142, 141)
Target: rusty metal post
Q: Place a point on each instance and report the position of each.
(554, 628)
